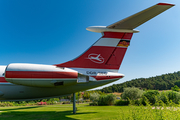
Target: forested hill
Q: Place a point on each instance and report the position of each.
(163, 82)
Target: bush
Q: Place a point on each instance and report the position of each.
(110, 99)
(102, 100)
(93, 104)
(94, 97)
(86, 95)
(164, 97)
(138, 102)
(151, 96)
(122, 102)
(66, 102)
(132, 93)
(107, 99)
(87, 100)
(168, 96)
(175, 88)
(173, 96)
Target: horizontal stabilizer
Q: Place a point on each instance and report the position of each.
(139, 18)
(101, 29)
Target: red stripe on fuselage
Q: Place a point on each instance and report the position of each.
(2, 79)
(106, 77)
(40, 74)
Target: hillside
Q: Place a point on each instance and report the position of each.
(162, 82)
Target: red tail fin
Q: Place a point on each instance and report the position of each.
(107, 53)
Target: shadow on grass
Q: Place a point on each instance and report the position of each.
(10, 114)
(20, 108)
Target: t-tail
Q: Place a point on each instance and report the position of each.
(108, 52)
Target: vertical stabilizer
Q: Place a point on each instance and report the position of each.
(107, 53)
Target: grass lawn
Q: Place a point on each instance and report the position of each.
(85, 112)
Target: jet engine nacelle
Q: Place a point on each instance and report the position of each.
(36, 75)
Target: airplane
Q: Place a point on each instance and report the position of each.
(95, 67)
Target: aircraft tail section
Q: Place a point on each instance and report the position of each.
(107, 53)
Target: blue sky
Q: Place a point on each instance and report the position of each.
(51, 32)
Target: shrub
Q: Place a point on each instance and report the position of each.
(138, 102)
(173, 96)
(132, 93)
(122, 102)
(94, 97)
(86, 95)
(164, 97)
(175, 88)
(151, 96)
(66, 102)
(102, 100)
(107, 99)
(168, 96)
(87, 100)
(93, 104)
(110, 98)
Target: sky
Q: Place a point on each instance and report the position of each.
(52, 32)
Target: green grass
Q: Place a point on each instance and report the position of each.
(85, 112)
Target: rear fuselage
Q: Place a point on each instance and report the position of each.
(33, 81)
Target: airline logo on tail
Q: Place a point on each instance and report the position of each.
(96, 58)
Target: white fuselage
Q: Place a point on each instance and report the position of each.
(34, 81)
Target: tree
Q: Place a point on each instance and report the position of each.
(175, 88)
(163, 82)
(177, 83)
(151, 95)
(94, 97)
(132, 93)
(86, 95)
(107, 99)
